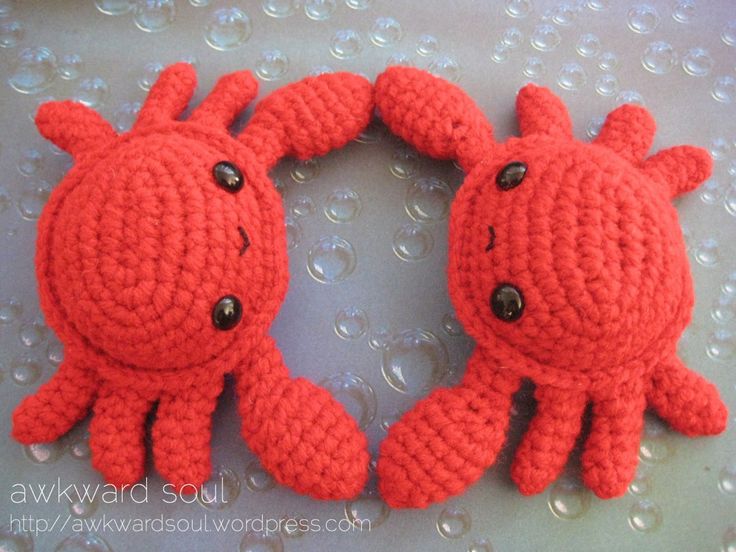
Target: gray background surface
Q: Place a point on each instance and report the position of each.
(684, 497)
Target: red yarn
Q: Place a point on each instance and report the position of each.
(592, 242)
(136, 246)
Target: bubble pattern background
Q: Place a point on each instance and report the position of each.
(367, 314)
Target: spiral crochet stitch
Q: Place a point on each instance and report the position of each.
(567, 266)
(162, 260)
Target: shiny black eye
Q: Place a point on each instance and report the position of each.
(228, 176)
(511, 175)
(507, 302)
(227, 313)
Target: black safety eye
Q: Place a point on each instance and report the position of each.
(507, 302)
(511, 175)
(228, 176)
(227, 313)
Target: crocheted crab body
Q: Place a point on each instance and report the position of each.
(161, 261)
(568, 267)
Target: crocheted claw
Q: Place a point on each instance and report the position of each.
(73, 127)
(300, 433)
(686, 400)
(541, 112)
(447, 440)
(679, 169)
(182, 433)
(58, 404)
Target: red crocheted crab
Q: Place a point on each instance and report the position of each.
(567, 266)
(162, 260)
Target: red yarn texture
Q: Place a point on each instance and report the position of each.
(136, 246)
(591, 240)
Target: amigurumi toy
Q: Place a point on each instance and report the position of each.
(162, 260)
(567, 266)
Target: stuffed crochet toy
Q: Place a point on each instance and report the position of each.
(567, 266)
(162, 260)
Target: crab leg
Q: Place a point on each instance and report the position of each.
(551, 436)
(182, 433)
(58, 404)
(611, 452)
(301, 434)
(686, 400)
(447, 440)
(116, 434)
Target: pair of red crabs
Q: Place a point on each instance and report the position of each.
(162, 261)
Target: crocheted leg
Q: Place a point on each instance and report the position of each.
(58, 404)
(447, 440)
(686, 400)
(611, 451)
(116, 434)
(551, 436)
(181, 435)
(301, 434)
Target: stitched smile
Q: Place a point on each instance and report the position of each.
(246, 241)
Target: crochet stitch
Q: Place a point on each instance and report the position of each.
(567, 266)
(162, 261)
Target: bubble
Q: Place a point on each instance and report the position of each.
(598, 5)
(79, 447)
(13, 539)
(10, 310)
(30, 162)
(151, 72)
(5, 201)
(645, 516)
(346, 44)
(44, 453)
(31, 202)
(659, 58)
(331, 260)
(630, 97)
(366, 511)
(11, 33)
(380, 339)
(445, 67)
(351, 323)
(412, 242)
(320, 10)
(294, 527)
(227, 28)
(453, 522)
(428, 199)
(304, 171)
(399, 58)
(607, 85)
(545, 37)
(482, 545)
(500, 53)
(88, 542)
(568, 499)
(25, 371)
(125, 116)
(199, 3)
(608, 61)
(32, 333)
(294, 233)
(564, 14)
(404, 162)
(153, 16)
(342, 206)
(654, 448)
(684, 11)
(729, 540)
(711, 192)
(719, 148)
(588, 45)
(370, 134)
(92, 92)
(414, 361)
(83, 508)
(721, 345)
(729, 201)
(355, 394)
(221, 490)
(728, 286)
(641, 485)
(261, 542)
(280, 8)
(257, 480)
(572, 76)
(427, 45)
(451, 325)
(643, 18)
(272, 65)
(34, 71)
(728, 35)
(512, 37)
(302, 206)
(320, 70)
(518, 8)
(390, 419)
(534, 67)
(70, 66)
(724, 89)
(707, 253)
(727, 479)
(359, 4)
(114, 7)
